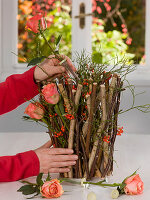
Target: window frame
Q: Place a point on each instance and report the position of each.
(8, 42)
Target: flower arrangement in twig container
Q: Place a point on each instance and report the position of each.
(81, 109)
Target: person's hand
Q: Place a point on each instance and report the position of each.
(55, 160)
(51, 68)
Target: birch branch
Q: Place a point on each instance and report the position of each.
(90, 118)
(110, 95)
(65, 97)
(101, 127)
(85, 126)
(72, 123)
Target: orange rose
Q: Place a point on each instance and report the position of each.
(50, 93)
(52, 189)
(35, 110)
(33, 23)
(134, 185)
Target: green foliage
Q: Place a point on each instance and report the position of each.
(27, 189)
(110, 45)
(39, 179)
(48, 177)
(35, 61)
(33, 188)
(133, 12)
(60, 29)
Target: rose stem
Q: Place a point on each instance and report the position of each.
(64, 64)
(90, 118)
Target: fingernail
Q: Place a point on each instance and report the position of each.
(71, 150)
(76, 157)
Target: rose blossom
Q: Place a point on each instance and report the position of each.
(33, 23)
(134, 185)
(52, 189)
(50, 93)
(35, 110)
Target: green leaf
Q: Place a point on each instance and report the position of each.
(61, 107)
(39, 179)
(36, 61)
(58, 40)
(58, 43)
(27, 189)
(97, 58)
(48, 177)
(121, 188)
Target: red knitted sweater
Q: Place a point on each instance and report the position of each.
(13, 92)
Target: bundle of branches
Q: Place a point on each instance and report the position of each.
(85, 117)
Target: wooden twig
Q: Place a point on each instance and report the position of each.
(85, 126)
(90, 118)
(72, 123)
(65, 97)
(110, 95)
(110, 14)
(101, 127)
(84, 157)
(116, 110)
(70, 84)
(93, 167)
(77, 149)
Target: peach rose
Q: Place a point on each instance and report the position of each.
(50, 93)
(134, 185)
(35, 110)
(33, 23)
(52, 189)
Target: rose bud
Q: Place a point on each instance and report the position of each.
(33, 23)
(35, 110)
(52, 189)
(134, 185)
(50, 93)
(114, 194)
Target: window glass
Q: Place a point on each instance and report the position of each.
(118, 28)
(121, 28)
(58, 16)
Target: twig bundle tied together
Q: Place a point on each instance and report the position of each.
(85, 117)
(91, 129)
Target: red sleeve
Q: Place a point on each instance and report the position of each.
(20, 166)
(16, 90)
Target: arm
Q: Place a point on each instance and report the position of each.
(20, 166)
(30, 163)
(22, 87)
(16, 90)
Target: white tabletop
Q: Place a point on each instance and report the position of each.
(131, 153)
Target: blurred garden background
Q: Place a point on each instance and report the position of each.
(118, 29)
